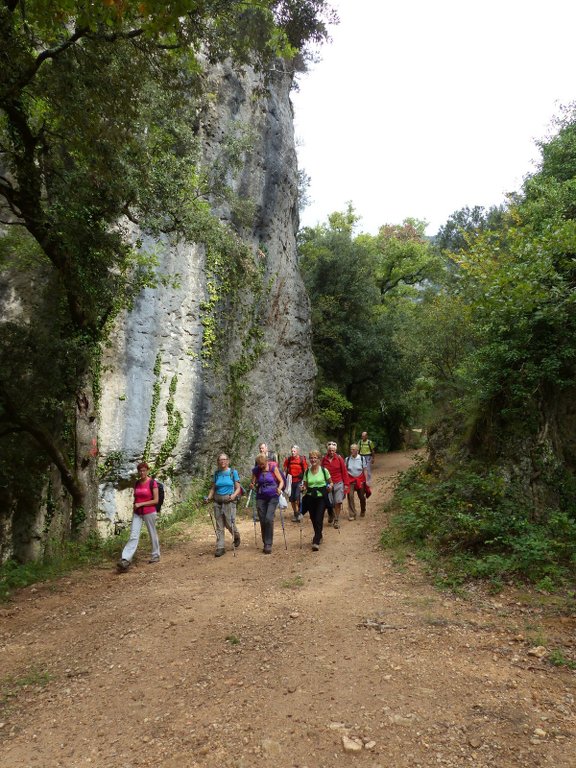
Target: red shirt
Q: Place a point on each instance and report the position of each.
(295, 466)
(337, 468)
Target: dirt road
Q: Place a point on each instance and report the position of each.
(290, 660)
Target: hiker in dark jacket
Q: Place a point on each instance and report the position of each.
(270, 455)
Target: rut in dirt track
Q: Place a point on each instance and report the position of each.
(288, 660)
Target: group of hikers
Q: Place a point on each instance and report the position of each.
(315, 485)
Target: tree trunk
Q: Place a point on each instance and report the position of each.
(85, 506)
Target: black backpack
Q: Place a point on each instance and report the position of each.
(160, 495)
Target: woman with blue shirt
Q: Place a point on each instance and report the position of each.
(224, 491)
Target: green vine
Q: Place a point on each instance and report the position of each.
(110, 468)
(228, 264)
(155, 403)
(253, 344)
(175, 420)
(175, 424)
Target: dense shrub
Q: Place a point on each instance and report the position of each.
(477, 524)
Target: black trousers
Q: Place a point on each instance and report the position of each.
(315, 506)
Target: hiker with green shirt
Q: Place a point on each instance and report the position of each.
(366, 449)
(316, 483)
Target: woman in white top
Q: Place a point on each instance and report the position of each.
(356, 466)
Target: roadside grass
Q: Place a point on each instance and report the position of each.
(63, 557)
(10, 686)
(294, 583)
(557, 658)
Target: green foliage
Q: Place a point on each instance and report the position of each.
(294, 583)
(462, 226)
(523, 313)
(361, 287)
(62, 557)
(476, 523)
(511, 275)
(110, 468)
(558, 658)
(332, 408)
(101, 106)
(495, 334)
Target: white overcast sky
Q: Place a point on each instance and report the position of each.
(421, 107)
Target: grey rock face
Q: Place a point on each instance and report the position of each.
(166, 323)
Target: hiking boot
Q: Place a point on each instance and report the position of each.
(267, 549)
(300, 517)
(296, 519)
(123, 566)
(315, 547)
(336, 524)
(154, 559)
(351, 517)
(219, 552)
(362, 514)
(330, 518)
(236, 539)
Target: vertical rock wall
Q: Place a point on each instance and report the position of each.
(159, 343)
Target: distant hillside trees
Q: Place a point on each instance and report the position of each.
(498, 493)
(358, 286)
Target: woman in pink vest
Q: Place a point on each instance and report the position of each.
(145, 501)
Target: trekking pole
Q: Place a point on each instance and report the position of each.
(233, 524)
(283, 531)
(336, 519)
(248, 499)
(213, 523)
(254, 519)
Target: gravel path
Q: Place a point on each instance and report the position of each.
(298, 659)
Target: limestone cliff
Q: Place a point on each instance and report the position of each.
(154, 368)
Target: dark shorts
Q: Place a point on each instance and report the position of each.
(295, 491)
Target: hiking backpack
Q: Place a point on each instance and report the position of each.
(160, 495)
(301, 461)
(363, 458)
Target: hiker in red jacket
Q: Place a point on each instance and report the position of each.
(295, 465)
(335, 464)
